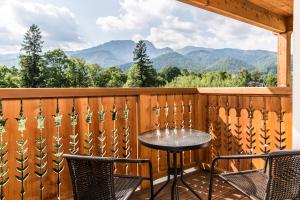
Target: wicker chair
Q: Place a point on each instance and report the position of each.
(278, 180)
(93, 178)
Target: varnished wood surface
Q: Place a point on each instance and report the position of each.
(15, 93)
(31, 93)
(284, 59)
(247, 91)
(233, 116)
(281, 7)
(199, 181)
(244, 11)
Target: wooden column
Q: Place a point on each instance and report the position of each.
(284, 59)
(296, 76)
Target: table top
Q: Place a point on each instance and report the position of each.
(175, 139)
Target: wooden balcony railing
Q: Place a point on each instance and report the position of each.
(38, 125)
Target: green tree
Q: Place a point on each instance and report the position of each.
(169, 73)
(95, 71)
(109, 77)
(117, 77)
(54, 73)
(30, 58)
(78, 73)
(256, 79)
(244, 77)
(141, 73)
(9, 77)
(270, 80)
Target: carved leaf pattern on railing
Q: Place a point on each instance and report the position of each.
(280, 133)
(238, 131)
(218, 135)
(126, 134)
(182, 113)
(102, 136)
(190, 108)
(175, 114)
(114, 117)
(22, 152)
(88, 135)
(58, 149)
(250, 129)
(227, 131)
(157, 113)
(3, 153)
(115, 134)
(210, 128)
(156, 110)
(167, 113)
(190, 112)
(74, 136)
(41, 154)
(264, 135)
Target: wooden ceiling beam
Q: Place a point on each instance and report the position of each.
(245, 11)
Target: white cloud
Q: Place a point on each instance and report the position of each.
(210, 30)
(57, 24)
(136, 14)
(169, 23)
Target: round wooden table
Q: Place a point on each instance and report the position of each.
(175, 141)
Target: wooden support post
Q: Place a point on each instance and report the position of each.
(284, 59)
(296, 75)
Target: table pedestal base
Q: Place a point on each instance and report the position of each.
(175, 171)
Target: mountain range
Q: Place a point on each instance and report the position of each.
(120, 53)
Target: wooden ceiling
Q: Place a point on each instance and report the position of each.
(280, 7)
(273, 15)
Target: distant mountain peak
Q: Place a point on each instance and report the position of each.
(120, 53)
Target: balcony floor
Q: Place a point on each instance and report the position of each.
(199, 181)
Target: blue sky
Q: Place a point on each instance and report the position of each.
(78, 24)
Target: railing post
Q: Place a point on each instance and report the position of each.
(284, 59)
(143, 124)
(296, 75)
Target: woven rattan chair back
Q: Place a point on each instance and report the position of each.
(91, 178)
(284, 179)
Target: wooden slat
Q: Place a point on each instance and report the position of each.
(245, 11)
(15, 93)
(142, 118)
(247, 91)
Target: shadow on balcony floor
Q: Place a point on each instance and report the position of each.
(199, 181)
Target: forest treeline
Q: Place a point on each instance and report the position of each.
(55, 69)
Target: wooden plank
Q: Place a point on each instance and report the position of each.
(244, 11)
(142, 118)
(281, 7)
(284, 59)
(246, 91)
(199, 181)
(16, 93)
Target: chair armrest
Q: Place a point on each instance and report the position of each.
(242, 156)
(130, 160)
(230, 157)
(237, 157)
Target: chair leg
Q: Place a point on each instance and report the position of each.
(210, 190)
(210, 186)
(151, 182)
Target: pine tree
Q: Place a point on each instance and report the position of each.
(30, 57)
(142, 73)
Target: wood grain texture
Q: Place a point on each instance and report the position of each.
(284, 59)
(281, 7)
(244, 11)
(222, 112)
